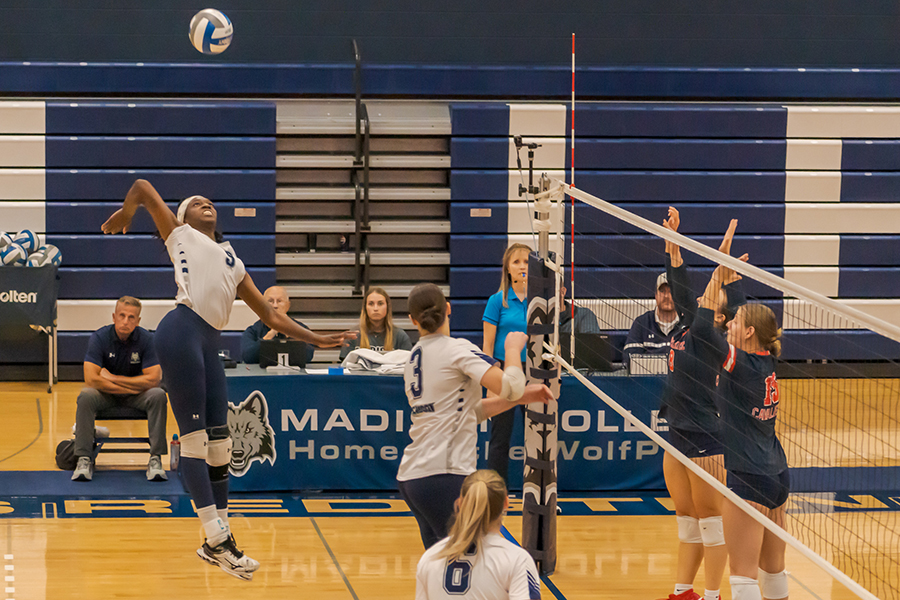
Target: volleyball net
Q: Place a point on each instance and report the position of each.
(838, 410)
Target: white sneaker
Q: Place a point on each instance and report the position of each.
(227, 557)
(84, 470)
(98, 431)
(155, 471)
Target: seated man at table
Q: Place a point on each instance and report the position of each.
(585, 319)
(278, 298)
(121, 369)
(650, 333)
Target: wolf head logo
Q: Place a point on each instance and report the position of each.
(253, 439)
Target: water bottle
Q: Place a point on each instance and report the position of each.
(174, 452)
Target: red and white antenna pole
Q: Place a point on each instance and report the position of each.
(572, 214)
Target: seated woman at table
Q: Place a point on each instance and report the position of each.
(376, 326)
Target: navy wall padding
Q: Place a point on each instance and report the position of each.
(870, 187)
(596, 282)
(150, 282)
(676, 121)
(870, 155)
(485, 249)
(87, 217)
(146, 250)
(95, 184)
(480, 153)
(479, 119)
(472, 80)
(462, 221)
(160, 118)
(877, 282)
(73, 344)
(862, 250)
(711, 219)
(169, 152)
(467, 314)
(479, 185)
(677, 154)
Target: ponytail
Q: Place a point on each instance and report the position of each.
(480, 504)
(428, 306)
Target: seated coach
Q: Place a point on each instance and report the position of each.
(121, 369)
(253, 335)
(650, 333)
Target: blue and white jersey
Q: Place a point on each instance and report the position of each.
(442, 379)
(499, 571)
(207, 274)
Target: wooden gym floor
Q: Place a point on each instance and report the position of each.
(601, 555)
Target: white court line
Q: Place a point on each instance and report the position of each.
(10, 590)
(10, 578)
(800, 583)
(9, 567)
(8, 556)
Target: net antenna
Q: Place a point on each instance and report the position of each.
(541, 421)
(799, 443)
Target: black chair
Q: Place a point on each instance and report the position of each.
(121, 413)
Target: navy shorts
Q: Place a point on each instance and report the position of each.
(769, 490)
(695, 444)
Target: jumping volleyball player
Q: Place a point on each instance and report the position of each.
(754, 458)
(208, 273)
(443, 380)
(476, 562)
(688, 405)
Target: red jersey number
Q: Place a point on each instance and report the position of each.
(771, 390)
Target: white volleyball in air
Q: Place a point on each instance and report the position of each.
(13, 255)
(211, 31)
(28, 240)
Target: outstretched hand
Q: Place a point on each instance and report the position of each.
(536, 392)
(673, 221)
(673, 249)
(725, 246)
(727, 275)
(332, 340)
(119, 222)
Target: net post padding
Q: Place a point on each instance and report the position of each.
(730, 496)
(789, 288)
(539, 481)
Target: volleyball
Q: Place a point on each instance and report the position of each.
(28, 240)
(45, 255)
(5, 240)
(211, 31)
(13, 255)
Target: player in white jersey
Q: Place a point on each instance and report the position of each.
(208, 275)
(476, 562)
(443, 380)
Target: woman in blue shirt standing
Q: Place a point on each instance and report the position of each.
(506, 311)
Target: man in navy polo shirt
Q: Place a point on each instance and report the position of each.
(121, 369)
(650, 333)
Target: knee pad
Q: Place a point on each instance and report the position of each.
(689, 530)
(712, 532)
(744, 588)
(218, 473)
(773, 585)
(195, 445)
(219, 446)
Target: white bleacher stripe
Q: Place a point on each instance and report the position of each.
(812, 250)
(843, 121)
(15, 216)
(799, 315)
(823, 280)
(515, 178)
(841, 218)
(22, 184)
(22, 151)
(550, 155)
(813, 155)
(537, 120)
(89, 315)
(616, 313)
(23, 117)
(519, 226)
(812, 186)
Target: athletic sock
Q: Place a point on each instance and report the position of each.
(711, 595)
(216, 531)
(223, 514)
(681, 588)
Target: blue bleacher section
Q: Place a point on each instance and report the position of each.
(873, 250)
(95, 150)
(870, 155)
(81, 152)
(870, 187)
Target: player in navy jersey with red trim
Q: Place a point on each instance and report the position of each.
(688, 405)
(754, 459)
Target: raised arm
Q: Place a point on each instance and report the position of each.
(249, 293)
(142, 194)
(495, 403)
(677, 274)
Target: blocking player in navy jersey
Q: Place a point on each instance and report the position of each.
(476, 562)
(754, 458)
(208, 275)
(688, 405)
(443, 380)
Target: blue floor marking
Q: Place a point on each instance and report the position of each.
(545, 578)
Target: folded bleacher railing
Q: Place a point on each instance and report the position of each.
(361, 201)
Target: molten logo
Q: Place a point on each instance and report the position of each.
(14, 297)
